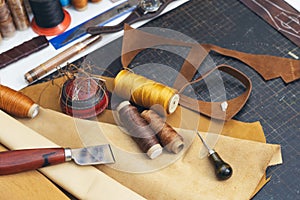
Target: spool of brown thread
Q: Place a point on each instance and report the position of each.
(168, 137)
(139, 129)
(18, 11)
(16, 103)
(80, 5)
(7, 27)
(3, 11)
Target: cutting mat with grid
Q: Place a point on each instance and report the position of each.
(230, 24)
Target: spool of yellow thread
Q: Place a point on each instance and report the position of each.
(146, 92)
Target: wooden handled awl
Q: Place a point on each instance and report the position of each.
(29, 159)
(222, 169)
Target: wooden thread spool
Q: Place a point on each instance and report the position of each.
(168, 137)
(4, 12)
(139, 129)
(16, 103)
(146, 92)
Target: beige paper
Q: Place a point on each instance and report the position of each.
(83, 182)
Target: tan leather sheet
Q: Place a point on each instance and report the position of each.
(169, 182)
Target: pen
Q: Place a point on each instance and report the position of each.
(52, 63)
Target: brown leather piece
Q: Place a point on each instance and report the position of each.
(279, 15)
(214, 109)
(269, 67)
(131, 47)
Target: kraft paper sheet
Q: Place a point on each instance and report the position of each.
(190, 177)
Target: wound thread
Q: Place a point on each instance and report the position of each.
(47, 13)
(7, 27)
(16, 103)
(49, 17)
(146, 92)
(83, 97)
(80, 5)
(138, 128)
(17, 8)
(168, 137)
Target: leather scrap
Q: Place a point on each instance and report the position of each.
(269, 67)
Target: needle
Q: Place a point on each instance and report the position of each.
(222, 169)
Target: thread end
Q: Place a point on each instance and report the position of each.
(122, 105)
(173, 103)
(33, 111)
(154, 151)
(175, 146)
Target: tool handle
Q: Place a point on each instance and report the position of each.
(222, 169)
(60, 58)
(29, 159)
(50, 64)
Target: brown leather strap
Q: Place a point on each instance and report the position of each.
(135, 41)
(214, 109)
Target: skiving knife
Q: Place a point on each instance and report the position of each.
(29, 159)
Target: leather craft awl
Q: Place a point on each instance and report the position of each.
(29, 159)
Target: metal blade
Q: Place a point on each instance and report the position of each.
(108, 15)
(93, 155)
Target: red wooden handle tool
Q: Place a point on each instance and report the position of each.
(29, 159)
